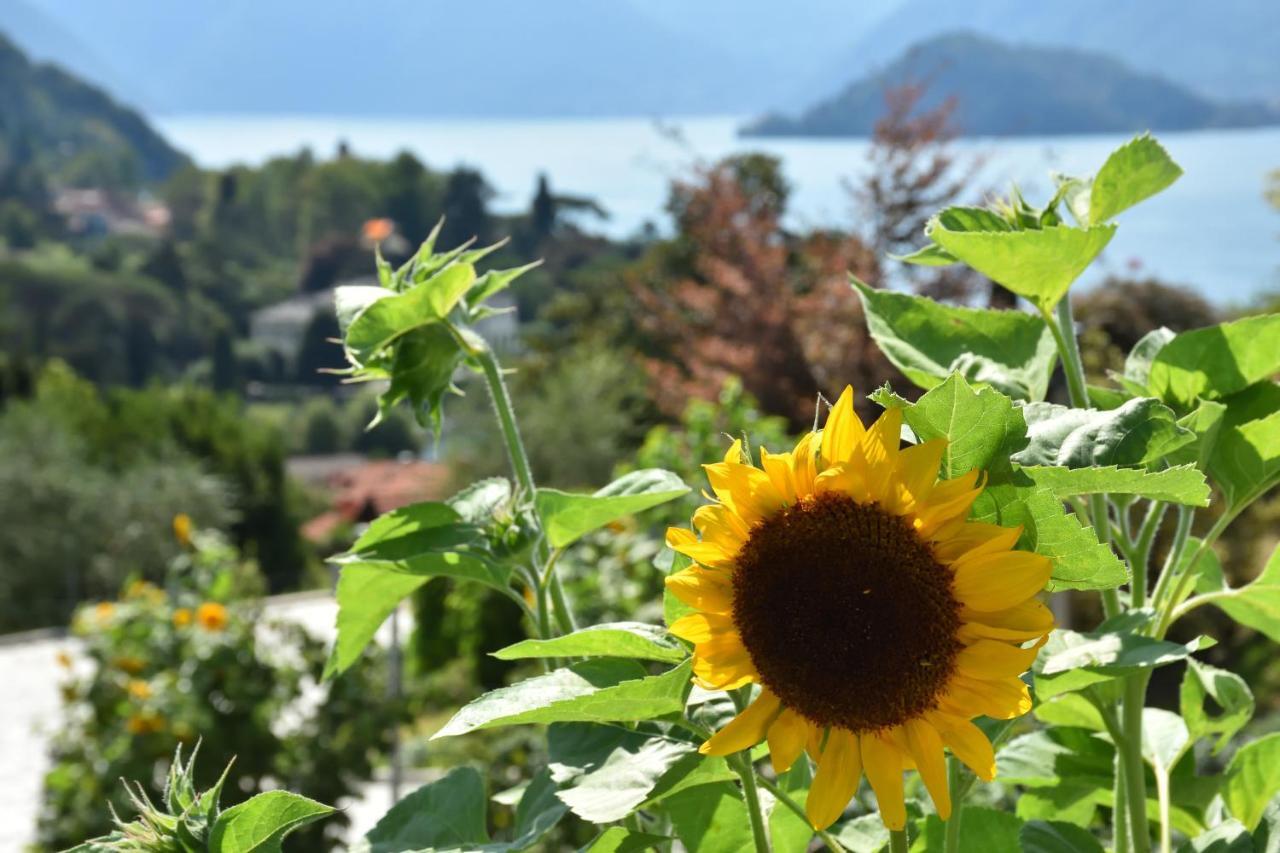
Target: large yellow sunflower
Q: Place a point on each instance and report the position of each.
(844, 579)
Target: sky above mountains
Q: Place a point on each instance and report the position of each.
(587, 57)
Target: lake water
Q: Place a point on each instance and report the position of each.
(1212, 230)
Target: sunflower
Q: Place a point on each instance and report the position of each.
(845, 580)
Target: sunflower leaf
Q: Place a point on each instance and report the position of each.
(1008, 350)
(1252, 779)
(1245, 459)
(604, 690)
(567, 516)
(1182, 485)
(447, 813)
(1134, 172)
(1055, 836)
(1140, 431)
(1039, 265)
(259, 824)
(711, 818)
(1216, 361)
(1229, 692)
(634, 640)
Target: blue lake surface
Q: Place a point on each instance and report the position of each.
(1213, 230)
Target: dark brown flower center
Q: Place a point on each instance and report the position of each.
(846, 613)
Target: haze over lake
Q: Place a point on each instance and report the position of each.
(1212, 230)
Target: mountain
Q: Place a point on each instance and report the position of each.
(1223, 49)
(43, 38)
(416, 57)
(73, 129)
(797, 43)
(1008, 90)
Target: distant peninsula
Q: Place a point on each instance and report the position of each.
(1019, 90)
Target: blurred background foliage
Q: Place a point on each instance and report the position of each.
(189, 660)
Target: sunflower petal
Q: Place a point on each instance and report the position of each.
(1029, 620)
(968, 743)
(842, 432)
(779, 466)
(839, 772)
(925, 746)
(787, 737)
(744, 489)
(704, 553)
(880, 447)
(706, 590)
(1000, 699)
(883, 765)
(993, 659)
(702, 627)
(996, 582)
(745, 730)
(803, 467)
(918, 467)
(976, 538)
(723, 663)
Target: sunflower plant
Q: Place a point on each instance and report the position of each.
(883, 637)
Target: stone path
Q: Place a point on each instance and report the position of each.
(31, 710)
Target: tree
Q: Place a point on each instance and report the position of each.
(226, 374)
(466, 199)
(542, 212)
(913, 173)
(410, 201)
(735, 295)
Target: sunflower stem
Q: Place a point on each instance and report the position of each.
(1135, 692)
(520, 467)
(751, 794)
(958, 790)
(898, 841)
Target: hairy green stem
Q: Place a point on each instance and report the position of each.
(1120, 808)
(1186, 515)
(751, 794)
(1186, 574)
(1135, 694)
(898, 841)
(524, 477)
(1142, 553)
(741, 763)
(951, 843)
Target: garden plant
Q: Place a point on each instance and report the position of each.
(860, 649)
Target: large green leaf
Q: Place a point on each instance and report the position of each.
(604, 690)
(1137, 365)
(623, 780)
(1230, 695)
(1165, 739)
(619, 839)
(414, 529)
(369, 590)
(982, 426)
(422, 373)
(1256, 604)
(1216, 361)
(1053, 836)
(988, 830)
(1135, 171)
(1074, 804)
(1052, 757)
(1245, 460)
(1140, 431)
(1252, 779)
(1011, 351)
(984, 429)
(614, 639)
(259, 824)
(446, 814)
(1230, 836)
(568, 516)
(384, 320)
(1184, 484)
(711, 819)
(1038, 264)
(1072, 661)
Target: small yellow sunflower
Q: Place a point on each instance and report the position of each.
(212, 616)
(182, 617)
(844, 579)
